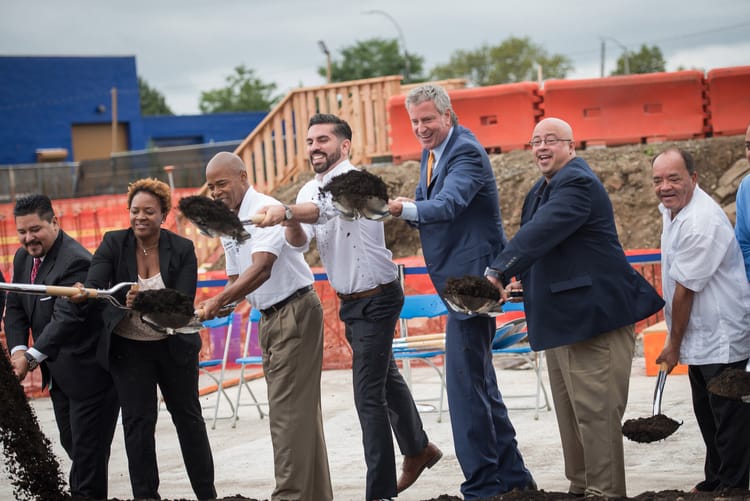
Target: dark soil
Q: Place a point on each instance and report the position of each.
(472, 285)
(212, 217)
(355, 187)
(27, 455)
(165, 307)
(726, 495)
(649, 429)
(731, 383)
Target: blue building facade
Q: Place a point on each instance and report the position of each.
(43, 99)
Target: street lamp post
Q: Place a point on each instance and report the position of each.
(325, 51)
(626, 57)
(400, 36)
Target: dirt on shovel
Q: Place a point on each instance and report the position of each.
(212, 217)
(165, 307)
(355, 188)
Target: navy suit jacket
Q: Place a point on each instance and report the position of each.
(459, 212)
(577, 281)
(114, 262)
(67, 334)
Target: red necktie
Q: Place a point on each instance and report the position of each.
(35, 268)
(430, 162)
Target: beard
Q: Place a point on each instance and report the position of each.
(330, 160)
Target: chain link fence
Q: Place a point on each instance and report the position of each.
(109, 175)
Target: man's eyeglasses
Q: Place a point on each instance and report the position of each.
(550, 141)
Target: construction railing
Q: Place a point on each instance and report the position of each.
(276, 151)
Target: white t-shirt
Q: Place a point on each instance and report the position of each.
(699, 250)
(353, 252)
(290, 271)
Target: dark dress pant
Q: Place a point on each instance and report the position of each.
(137, 368)
(725, 426)
(87, 426)
(381, 396)
(483, 436)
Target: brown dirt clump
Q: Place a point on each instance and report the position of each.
(356, 186)
(165, 307)
(212, 217)
(649, 429)
(731, 383)
(33, 469)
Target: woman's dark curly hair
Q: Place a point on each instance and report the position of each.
(157, 188)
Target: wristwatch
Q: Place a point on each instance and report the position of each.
(287, 213)
(33, 364)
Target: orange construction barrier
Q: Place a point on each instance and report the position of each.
(501, 117)
(729, 100)
(630, 109)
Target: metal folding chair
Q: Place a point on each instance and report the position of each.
(205, 365)
(421, 306)
(245, 361)
(511, 339)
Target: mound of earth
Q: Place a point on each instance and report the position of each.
(624, 170)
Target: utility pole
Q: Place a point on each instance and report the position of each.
(407, 65)
(325, 51)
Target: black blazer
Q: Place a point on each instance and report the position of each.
(114, 262)
(67, 334)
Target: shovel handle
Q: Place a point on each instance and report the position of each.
(59, 290)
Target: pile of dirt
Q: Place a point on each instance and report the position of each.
(624, 170)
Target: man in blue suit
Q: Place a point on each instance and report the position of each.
(582, 299)
(457, 211)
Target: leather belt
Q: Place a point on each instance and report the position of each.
(368, 293)
(276, 307)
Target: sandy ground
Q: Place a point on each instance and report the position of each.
(243, 455)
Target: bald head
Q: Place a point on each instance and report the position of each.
(226, 178)
(552, 145)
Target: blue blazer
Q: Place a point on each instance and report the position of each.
(459, 212)
(577, 281)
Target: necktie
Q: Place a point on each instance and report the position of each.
(35, 269)
(430, 162)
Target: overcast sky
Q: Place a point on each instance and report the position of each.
(183, 47)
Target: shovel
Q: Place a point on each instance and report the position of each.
(732, 383)
(358, 193)
(656, 427)
(474, 295)
(61, 291)
(170, 323)
(214, 219)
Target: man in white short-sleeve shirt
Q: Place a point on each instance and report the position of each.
(707, 311)
(360, 269)
(275, 279)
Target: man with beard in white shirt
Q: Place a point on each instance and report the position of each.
(360, 269)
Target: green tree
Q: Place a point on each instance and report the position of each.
(514, 60)
(152, 101)
(244, 92)
(375, 57)
(646, 60)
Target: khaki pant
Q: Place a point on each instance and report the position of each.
(589, 382)
(292, 343)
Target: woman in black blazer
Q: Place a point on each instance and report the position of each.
(139, 357)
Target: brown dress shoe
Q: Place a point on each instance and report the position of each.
(414, 465)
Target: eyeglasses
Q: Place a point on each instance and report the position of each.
(550, 141)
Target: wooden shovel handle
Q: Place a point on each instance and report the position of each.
(59, 290)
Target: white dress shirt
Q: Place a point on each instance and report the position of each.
(699, 250)
(353, 252)
(290, 271)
